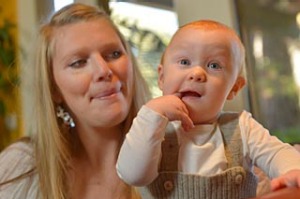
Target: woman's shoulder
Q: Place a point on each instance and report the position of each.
(22, 147)
(16, 159)
(17, 179)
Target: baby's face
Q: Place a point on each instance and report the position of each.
(201, 66)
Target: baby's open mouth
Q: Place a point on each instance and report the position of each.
(190, 94)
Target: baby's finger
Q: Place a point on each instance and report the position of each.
(186, 122)
(298, 182)
(275, 185)
(183, 106)
(280, 183)
(178, 95)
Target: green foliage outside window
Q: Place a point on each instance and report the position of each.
(9, 81)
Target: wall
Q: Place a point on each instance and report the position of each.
(190, 10)
(27, 20)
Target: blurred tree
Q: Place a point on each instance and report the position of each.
(9, 78)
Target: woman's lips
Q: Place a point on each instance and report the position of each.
(108, 93)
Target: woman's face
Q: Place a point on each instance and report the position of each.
(93, 73)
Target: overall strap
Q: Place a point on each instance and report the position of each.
(230, 129)
(170, 150)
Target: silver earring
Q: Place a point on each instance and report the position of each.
(65, 116)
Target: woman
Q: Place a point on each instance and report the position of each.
(87, 90)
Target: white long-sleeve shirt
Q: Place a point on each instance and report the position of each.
(201, 149)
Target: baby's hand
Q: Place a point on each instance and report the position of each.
(173, 108)
(289, 179)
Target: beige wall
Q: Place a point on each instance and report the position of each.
(27, 21)
(220, 10)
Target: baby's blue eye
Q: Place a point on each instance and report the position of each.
(185, 62)
(214, 66)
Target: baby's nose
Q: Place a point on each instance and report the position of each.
(197, 74)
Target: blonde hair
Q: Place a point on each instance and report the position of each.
(52, 140)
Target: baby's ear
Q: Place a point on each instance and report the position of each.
(238, 85)
(160, 76)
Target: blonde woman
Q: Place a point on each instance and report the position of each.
(87, 89)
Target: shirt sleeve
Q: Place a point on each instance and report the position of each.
(140, 153)
(16, 160)
(266, 151)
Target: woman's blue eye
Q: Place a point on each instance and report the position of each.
(214, 66)
(114, 55)
(184, 62)
(78, 63)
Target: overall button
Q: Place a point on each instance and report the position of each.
(238, 179)
(168, 185)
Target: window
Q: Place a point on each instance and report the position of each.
(148, 36)
(58, 4)
(270, 31)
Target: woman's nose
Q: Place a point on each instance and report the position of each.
(197, 74)
(102, 71)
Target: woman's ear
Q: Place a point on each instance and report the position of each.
(238, 85)
(57, 97)
(160, 76)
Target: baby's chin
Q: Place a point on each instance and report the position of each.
(204, 119)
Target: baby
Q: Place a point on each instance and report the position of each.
(183, 145)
